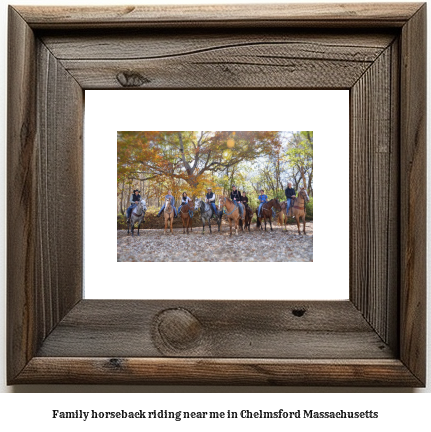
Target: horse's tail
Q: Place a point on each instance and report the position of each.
(240, 223)
(280, 218)
(258, 223)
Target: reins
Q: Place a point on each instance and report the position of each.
(235, 208)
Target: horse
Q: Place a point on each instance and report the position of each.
(185, 216)
(283, 216)
(137, 215)
(232, 213)
(248, 216)
(299, 208)
(206, 214)
(169, 215)
(267, 213)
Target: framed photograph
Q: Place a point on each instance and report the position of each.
(375, 337)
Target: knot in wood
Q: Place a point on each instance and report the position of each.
(178, 329)
(131, 79)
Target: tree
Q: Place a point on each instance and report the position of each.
(192, 157)
(300, 156)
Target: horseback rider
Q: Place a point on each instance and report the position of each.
(235, 196)
(244, 199)
(184, 201)
(290, 196)
(210, 199)
(135, 198)
(172, 199)
(262, 199)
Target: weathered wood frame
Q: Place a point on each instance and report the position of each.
(376, 338)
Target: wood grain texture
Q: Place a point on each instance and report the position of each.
(240, 329)
(59, 184)
(119, 370)
(146, 45)
(374, 199)
(209, 60)
(22, 203)
(413, 194)
(252, 15)
(44, 193)
(376, 338)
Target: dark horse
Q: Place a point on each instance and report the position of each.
(248, 216)
(267, 213)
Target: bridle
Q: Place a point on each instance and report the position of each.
(143, 211)
(303, 195)
(224, 205)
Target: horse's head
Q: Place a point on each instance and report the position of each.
(276, 204)
(143, 205)
(222, 202)
(168, 204)
(304, 195)
(197, 203)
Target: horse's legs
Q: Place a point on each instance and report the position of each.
(230, 226)
(236, 226)
(270, 223)
(139, 224)
(297, 223)
(172, 222)
(203, 226)
(303, 218)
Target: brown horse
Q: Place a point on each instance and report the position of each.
(282, 216)
(267, 213)
(169, 214)
(232, 213)
(299, 208)
(248, 216)
(185, 216)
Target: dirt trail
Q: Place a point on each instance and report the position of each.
(279, 245)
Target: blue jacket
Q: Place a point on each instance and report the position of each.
(263, 198)
(172, 199)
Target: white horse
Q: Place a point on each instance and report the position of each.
(137, 216)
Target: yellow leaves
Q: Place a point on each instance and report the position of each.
(230, 143)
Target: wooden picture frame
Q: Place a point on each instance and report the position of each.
(376, 338)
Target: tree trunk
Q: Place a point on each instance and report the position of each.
(304, 183)
(121, 200)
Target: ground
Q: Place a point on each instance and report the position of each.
(279, 245)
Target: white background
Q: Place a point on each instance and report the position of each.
(398, 411)
(326, 113)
